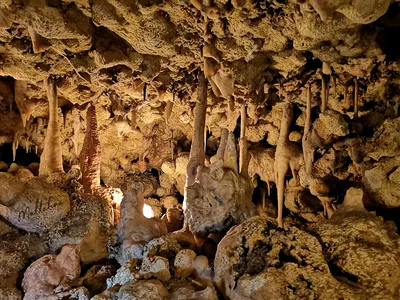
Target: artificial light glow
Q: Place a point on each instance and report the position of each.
(117, 196)
(148, 211)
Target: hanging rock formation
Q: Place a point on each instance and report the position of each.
(51, 158)
(288, 155)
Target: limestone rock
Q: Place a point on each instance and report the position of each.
(164, 246)
(361, 246)
(129, 271)
(202, 270)
(262, 163)
(143, 290)
(135, 230)
(155, 266)
(183, 264)
(3, 166)
(266, 262)
(109, 294)
(381, 181)
(190, 293)
(52, 274)
(34, 205)
(96, 277)
(10, 294)
(86, 225)
(331, 125)
(386, 140)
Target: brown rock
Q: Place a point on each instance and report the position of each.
(143, 289)
(33, 205)
(183, 264)
(52, 274)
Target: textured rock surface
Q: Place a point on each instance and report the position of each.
(34, 205)
(256, 260)
(383, 182)
(135, 230)
(52, 274)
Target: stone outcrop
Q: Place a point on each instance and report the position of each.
(32, 205)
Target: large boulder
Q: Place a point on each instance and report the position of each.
(151, 289)
(32, 205)
(52, 274)
(257, 260)
(89, 225)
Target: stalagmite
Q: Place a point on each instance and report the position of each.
(216, 197)
(197, 154)
(39, 43)
(90, 156)
(135, 230)
(288, 155)
(51, 158)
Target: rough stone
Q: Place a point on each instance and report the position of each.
(33, 205)
(52, 274)
(183, 264)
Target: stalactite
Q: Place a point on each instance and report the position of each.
(51, 158)
(133, 118)
(15, 144)
(76, 125)
(4, 22)
(39, 43)
(287, 156)
(197, 154)
(323, 94)
(39, 123)
(243, 159)
(168, 110)
(90, 156)
(25, 106)
(308, 149)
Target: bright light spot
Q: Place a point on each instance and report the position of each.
(148, 211)
(117, 196)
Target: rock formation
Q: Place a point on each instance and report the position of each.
(51, 158)
(139, 139)
(134, 230)
(287, 155)
(90, 156)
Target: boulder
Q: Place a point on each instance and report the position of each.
(189, 292)
(257, 260)
(88, 225)
(143, 290)
(129, 271)
(96, 277)
(52, 274)
(32, 205)
(183, 264)
(155, 266)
